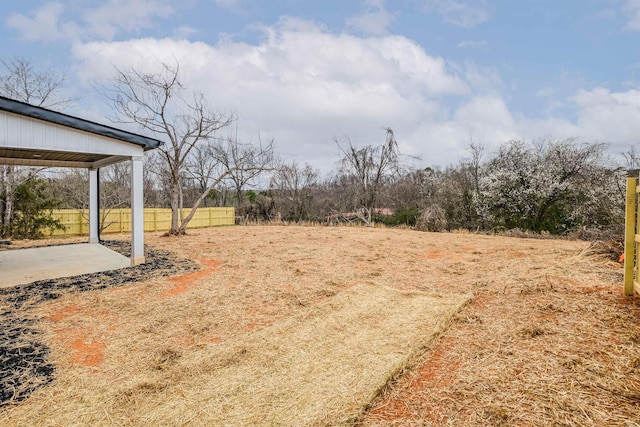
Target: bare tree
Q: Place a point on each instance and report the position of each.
(292, 184)
(474, 162)
(369, 168)
(22, 82)
(8, 185)
(631, 158)
(115, 191)
(156, 180)
(45, 88)
(218, 160)
(157, 102)
(241, 156)
(458, 190)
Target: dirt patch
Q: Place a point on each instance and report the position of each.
(64, 313)
(87, 351)
(183, 282)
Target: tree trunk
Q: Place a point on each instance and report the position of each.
(239, 197)
(180, 203)
(224, 197)
(197, 203)
(175, 207)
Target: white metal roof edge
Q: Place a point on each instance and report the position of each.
(27, 110)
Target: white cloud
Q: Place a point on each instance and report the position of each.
(486, 118)
(374, 19)
(545, 92)
(609, 116)
(473, 44)
(183, 32)
(600, 115)
(229, 4)
(301, 84)
(443, 140)
(45, 25)
(631, 10)
(463, 13)
(483, 79)
(114, 16)
(304, 86)
(90, 20)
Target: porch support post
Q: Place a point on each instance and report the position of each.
(94, 214)
(137, 212)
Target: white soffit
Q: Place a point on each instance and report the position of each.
(34, 136)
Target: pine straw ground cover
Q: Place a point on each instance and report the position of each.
(547, 339)
(24, 356)
(264, 333)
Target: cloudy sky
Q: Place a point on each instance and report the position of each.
(304, 72)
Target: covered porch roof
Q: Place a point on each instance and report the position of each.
(35, 136)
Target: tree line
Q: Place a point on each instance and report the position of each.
(554, 186)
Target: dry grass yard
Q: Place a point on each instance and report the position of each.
(313, 326)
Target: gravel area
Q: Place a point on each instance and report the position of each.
(24, 365)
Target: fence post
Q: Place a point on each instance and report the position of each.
(637, 231)
(630, 232)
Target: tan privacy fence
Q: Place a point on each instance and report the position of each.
(76, 221)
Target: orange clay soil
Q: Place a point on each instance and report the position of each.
(547, 340)
(184, 281)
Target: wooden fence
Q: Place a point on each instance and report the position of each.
(632, 236)
(76, 221)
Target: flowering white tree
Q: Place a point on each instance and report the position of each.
(540, 186)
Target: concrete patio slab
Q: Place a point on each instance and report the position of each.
(22, 266)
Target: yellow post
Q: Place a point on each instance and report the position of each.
(630, 233)
(635, 247)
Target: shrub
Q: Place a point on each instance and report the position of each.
(33, 209)
(432, 218)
